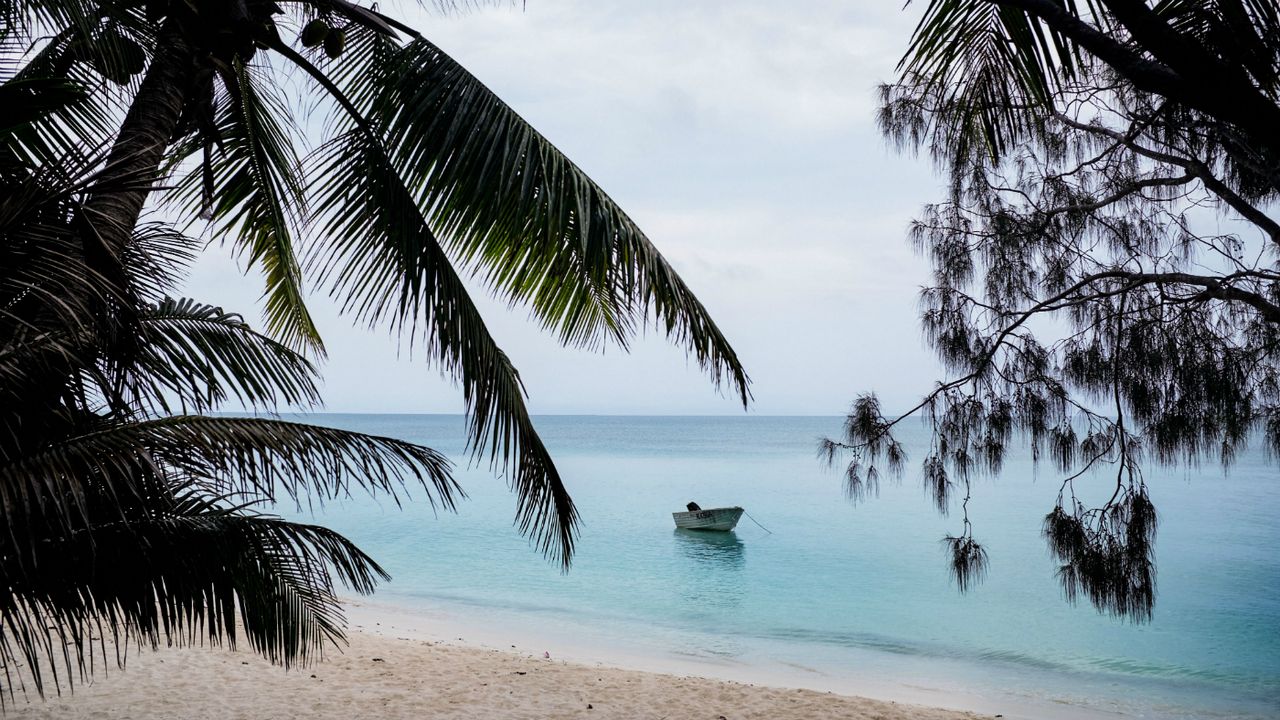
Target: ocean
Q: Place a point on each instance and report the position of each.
(838, 596)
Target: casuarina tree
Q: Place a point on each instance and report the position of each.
(1105, 279)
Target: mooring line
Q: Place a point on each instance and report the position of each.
(757, 522)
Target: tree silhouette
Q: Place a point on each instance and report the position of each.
(1105, 277)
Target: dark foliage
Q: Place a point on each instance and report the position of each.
(1105, 277)
(123, 522)
(417, 176)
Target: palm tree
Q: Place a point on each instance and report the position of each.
(127, 513)
(419, 176)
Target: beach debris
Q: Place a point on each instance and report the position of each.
(521, 672)
(379, 660)
(589, 706)
(313, 674)
(546, 654)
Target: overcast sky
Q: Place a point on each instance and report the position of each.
(741, 137)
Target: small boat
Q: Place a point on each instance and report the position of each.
(722, 519)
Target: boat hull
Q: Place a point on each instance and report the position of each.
(717, 519)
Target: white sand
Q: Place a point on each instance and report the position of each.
(392, 678)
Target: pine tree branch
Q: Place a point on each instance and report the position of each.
(1197, 168)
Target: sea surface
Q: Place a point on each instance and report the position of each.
(842, 596)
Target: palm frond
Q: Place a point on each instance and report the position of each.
(179, 573)
(990, 63)
(204, 356)
(526, 219)
(85, 115)
(50, 294)
(156, 260)
(256, 458)
(28, 100)
(1247, 31)
(387, 266)
(251, 185)
(27, 17)
(549, 237)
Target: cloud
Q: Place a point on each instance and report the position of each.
(749, 67)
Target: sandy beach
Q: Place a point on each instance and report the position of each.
(389, 677)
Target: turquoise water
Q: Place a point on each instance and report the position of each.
(838, 590)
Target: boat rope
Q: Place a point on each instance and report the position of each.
(757, 522)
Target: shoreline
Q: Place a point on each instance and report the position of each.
(445, 661)
(487, 630)
(385, 672)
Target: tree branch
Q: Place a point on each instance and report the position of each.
(1244, 106)
(1195, 167)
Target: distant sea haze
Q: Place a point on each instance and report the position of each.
(850, 598)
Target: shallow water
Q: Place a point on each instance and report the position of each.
(842, 591)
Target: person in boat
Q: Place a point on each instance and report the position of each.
(693, 507)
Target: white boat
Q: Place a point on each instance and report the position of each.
(713, 519)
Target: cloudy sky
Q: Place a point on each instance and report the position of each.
(741, 137)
